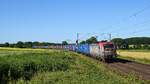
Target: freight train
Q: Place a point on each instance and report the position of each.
(104, 51)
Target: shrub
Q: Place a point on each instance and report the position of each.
(27, 65)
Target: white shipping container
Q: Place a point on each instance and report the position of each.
(95, 50)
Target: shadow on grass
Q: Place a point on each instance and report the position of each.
(119, 60)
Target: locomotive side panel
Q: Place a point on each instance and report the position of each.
(95, 50)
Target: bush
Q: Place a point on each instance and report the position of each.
(27, 65)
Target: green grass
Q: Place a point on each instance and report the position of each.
(39, 66)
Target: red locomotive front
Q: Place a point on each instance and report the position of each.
(107, 50)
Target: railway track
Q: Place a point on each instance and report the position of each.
(140, 70)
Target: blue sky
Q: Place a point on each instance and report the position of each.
(58, 20)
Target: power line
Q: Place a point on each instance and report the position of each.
(141, 23)
(96, 35)
(137, 24)
(86, 35)
(133, 15)
(133, 32)
(140, 11)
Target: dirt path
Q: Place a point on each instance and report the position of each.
(125, 66)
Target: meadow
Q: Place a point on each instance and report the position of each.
(141, 56)
(44, 66)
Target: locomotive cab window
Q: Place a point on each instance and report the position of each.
(108, 46)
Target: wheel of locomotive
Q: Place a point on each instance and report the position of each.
(106, 60)
(103, 60)
(100, 59)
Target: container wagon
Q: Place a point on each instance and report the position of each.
(83, 48)
(72, 47)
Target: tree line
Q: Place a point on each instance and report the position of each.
(132, 43)
(21, 44)
(29, 44)
(90, 40)
(127, 43)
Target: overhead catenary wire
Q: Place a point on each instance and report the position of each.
(135, 14)
(83, 37)
(131, 16)
(96, 35)
(118, 28)
(140, 11)
(142, 24)
(132, 33)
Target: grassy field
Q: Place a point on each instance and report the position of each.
(142, 56)
(39, 66)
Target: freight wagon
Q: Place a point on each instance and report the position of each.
(83, 48)
(72, 47)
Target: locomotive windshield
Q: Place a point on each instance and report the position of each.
(108, 46)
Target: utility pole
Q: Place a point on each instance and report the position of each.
(96, 37)
(109, 37)
(77, 41)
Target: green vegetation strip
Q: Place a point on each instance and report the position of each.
(143, 61)
(140, 56)
(57, 67)
(134, 50)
